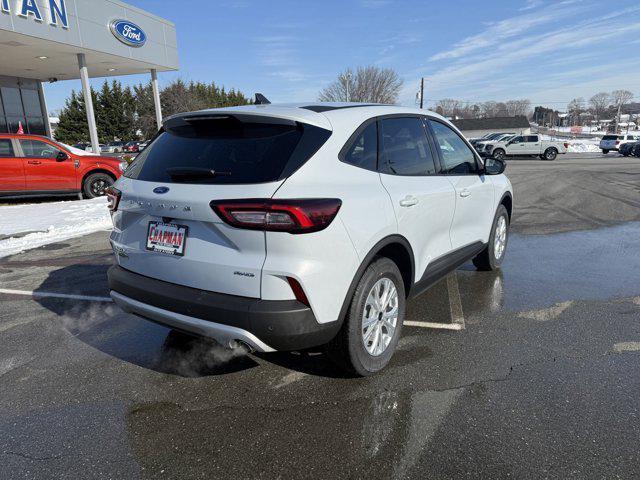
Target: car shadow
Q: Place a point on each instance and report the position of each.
(104, 327)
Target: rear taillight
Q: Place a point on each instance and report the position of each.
(292, 216)
(566, 144)
(617, 142)
(113, 198)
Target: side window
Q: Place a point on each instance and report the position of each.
(519, 139)
(405, 149)
(363, 152)
(531, 139)
(6, 149)
(38, 149)
(457, 157)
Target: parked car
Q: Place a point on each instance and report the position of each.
(481, 147)
(132, 147)
(636, 150)
(32, 165)
(613, 142)
(488, 137)
(114, 147)
(527, 145)
(285, 228)
(101, 147)
(626, 149)
(81, 146)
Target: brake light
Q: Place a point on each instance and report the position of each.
(617, 142)
(566, 144)
(298, 291)
(292, 216)
(113, 198)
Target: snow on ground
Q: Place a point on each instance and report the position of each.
(29, 226)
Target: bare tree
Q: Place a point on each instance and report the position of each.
(449, 107)
(520, 107)
(493, 109)
(620, 98)
(599, 103)
(575, 108)
(367, 84)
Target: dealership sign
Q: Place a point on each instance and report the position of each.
(128, 33)
(56, 13)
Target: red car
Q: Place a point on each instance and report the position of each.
(32, 165)
(133, 147)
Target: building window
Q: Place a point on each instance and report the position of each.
(20, 104)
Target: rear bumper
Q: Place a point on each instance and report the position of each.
(265, 325)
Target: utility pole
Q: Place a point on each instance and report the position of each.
(347, 77)
(421, 92)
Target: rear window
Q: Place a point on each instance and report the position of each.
(227, 150)
(610, 137)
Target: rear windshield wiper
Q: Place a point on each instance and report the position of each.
(179, 173)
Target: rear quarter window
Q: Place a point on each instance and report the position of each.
(230, 150)
(610, 137)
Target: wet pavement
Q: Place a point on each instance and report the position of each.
(543, 382)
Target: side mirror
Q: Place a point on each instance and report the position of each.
(61, 157)
(493, 166)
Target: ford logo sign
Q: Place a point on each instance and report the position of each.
(161, 190)
(128, 33)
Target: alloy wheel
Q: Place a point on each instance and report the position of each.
(380, 317)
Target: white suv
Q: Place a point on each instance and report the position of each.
(290, 227)
(613, 142)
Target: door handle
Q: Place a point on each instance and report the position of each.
(465, 193)
(34, 162)
(408, 201)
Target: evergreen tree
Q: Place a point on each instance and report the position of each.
(125, 113)
(73, 126)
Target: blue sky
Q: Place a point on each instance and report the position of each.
(544, 50)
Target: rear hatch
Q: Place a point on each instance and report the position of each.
(610, 142)
(164, 226)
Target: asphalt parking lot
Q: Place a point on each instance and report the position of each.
(542, 382)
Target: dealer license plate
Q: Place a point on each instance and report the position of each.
(167, 238)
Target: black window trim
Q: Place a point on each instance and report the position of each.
(479, 163)
(434, 156)
(352, 139)
(378, 118)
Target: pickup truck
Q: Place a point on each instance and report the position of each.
(501, 140)
(526, 145)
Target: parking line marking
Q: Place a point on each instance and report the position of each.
(444, 326)
(31, 293)
(455, 304)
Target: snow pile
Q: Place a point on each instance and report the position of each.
(577, 145)
(583, 146)
(29, 226)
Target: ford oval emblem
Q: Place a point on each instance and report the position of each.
(128, 33)
(161, 190)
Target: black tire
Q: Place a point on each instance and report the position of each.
(347, 349)
(541, 157)
(550, 154)
(487, 260)
(95, 185)
(499, 154)
(605, 152)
